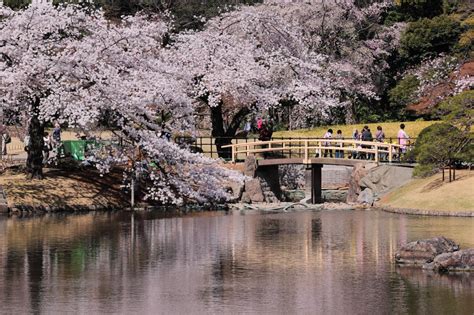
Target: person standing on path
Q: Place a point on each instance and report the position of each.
(259, 123)
(327, 135)
(5, 139)
(56, 141)
(403, 139)
(56, 135)
(380, 137)
(367, 136)
(339, 153)
(355, 136)
(46, 147)
(247, 128)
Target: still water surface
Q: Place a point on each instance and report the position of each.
(336, 262)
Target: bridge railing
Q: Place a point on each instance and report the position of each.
(308, 148)
(207, 144)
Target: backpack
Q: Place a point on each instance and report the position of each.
(7, 138)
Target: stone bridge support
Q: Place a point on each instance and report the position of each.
(270, 181)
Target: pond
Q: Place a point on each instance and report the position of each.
(331, 262)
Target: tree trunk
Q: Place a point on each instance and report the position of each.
(219, 133)
(223, 136)
(34, 163)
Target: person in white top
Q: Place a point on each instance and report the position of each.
(327, 135)
(46, 147)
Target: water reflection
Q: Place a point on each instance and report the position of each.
(327, 262)
(439, 294)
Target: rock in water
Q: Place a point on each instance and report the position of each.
(424, 251)
(462, 260)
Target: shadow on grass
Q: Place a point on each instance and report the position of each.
(438, 183)
(61, 187)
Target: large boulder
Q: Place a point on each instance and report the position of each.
(250, 166)
(462, 260)
(379, 179)
(384, 178)
(334, 195)
(358, 172)
(270, 183)
(253, 188)
(245, 198)
(424, 251)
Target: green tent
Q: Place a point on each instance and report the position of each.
(77, 148)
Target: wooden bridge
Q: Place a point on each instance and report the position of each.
(314, 153)
(309, 151)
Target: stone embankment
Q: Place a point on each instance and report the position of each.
(261, 185)
(438, 253)
(370, 181)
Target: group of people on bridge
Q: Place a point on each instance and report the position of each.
(364, 135)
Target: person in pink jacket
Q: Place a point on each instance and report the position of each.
(403, 139)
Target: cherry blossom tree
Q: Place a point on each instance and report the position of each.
(72, 65)
(228, 77)
(320, 57)
(33, 49)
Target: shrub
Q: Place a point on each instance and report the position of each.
(404, 92)
(411, 10)
(459, 110)
(437, 146)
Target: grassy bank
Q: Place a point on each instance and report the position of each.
(64, 189)
(433, 194)
(413, 128)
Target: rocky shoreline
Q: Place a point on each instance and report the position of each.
(30, 209)
(262, 189)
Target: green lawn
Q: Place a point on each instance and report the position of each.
(433, 194)
(413, 128)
